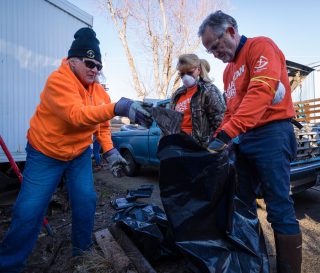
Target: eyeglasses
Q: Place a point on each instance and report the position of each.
(215, 46)
(91, 65)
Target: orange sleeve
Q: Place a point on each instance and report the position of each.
(264, 64)
(62, 97)
(104, 136)
(104, 133)
(225, 119)
(227, 114)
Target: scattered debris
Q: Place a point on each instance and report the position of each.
(144, 191)
(122, 203)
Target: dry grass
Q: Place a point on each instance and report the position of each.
(92, 262)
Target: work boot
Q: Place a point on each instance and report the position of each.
(289, 253)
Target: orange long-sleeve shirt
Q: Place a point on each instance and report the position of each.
(68, 115)
(183, 106)
(250, 83)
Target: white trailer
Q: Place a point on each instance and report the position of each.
(34, 36)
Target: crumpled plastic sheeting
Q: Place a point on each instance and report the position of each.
(213, 228)
(169, 121)
(146, 225)
(144, 191)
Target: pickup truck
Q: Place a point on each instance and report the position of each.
(138, 146)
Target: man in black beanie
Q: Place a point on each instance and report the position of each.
(73, 107)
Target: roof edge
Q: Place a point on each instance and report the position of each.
(73, 11)
(294, 67)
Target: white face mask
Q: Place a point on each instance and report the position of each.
(188, 81)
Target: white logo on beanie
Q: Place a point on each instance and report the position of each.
(90, 54)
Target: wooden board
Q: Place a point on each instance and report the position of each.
(140, 262)
(113, 252)
(308, 111)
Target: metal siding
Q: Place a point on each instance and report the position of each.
(34, 36)
(73, 10)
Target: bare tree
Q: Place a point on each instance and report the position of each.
(162, 30)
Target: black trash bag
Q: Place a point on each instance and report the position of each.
(144, 191)
(244, 222)
(146, 225)
(212, 228)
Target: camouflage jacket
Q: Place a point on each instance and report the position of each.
(207, 110)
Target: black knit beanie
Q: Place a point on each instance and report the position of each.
(85, 44)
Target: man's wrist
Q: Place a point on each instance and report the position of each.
(110, 152)
(222, 135)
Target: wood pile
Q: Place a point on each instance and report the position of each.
(308, 138)
(308, 111)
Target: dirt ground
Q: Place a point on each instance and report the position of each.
(53, 254)
(307, 207)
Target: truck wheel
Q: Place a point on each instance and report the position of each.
(133, 167)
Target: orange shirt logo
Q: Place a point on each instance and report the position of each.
(261, 64)
(232, 91)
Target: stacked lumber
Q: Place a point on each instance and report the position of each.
(308, 111)
(308, 138)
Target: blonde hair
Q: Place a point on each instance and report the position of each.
(186, 62)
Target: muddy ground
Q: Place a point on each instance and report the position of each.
(53, 254)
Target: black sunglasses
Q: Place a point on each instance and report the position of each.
(91, 65)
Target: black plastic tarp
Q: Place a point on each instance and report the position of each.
(213, 229)
(146, 225)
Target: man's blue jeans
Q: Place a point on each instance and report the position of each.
(263, 163)
(41, 176)
(96, 152)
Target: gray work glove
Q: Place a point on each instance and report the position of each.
(116, 161)
(136, 111)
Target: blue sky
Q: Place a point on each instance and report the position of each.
(293, 25)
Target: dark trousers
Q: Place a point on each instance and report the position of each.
(263, 159)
